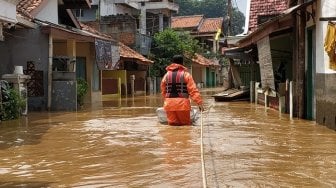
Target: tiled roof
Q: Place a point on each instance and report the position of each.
(94, 31)
(265, 8)
(201, 60)
(211, 25)
(29, 5)
(186, 21)
(127, 52)
(26, 7)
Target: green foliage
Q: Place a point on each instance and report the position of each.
(213, 9)
(168, 43)
(12, 103)
(82, 89)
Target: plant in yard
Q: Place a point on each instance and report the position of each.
(82, 89)
(168, 43)
(12, 102)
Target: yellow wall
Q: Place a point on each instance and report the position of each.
(83, 49)
(122, 74)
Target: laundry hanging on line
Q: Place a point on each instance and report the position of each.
(330, 45)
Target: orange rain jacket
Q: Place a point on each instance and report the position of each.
(179, 103)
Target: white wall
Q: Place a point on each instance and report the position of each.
(49, 12)
(7, 11)
(325, 8)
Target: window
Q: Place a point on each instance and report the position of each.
(79, 13)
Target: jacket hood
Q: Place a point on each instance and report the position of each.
(175, 66)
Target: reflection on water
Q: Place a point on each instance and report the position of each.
(119, 143)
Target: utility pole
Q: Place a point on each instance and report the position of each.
(299, 20)
(229, 13)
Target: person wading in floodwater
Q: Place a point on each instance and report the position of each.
(177, 86)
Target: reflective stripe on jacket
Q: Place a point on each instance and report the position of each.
(175, 85)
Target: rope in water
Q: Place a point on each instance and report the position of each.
(202, 155)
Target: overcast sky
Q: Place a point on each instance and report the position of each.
(241, 4)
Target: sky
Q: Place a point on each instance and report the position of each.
(241, 4)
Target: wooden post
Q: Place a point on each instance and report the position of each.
(229, 16)
(291, 99)
(302, 67)
(119, 86)
(256, 86)
(50, 70)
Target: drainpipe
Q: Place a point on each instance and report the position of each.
(50, 70)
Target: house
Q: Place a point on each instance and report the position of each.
(128, 63)
(278, 41)
(130, 77)
(320, 62)
(7, 15)
(201, 28)
(205, 71)
(54, 50)
(130, 22)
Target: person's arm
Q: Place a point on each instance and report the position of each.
(193, 91)
(163, 86)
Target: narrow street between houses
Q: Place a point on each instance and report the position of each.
(120, 143)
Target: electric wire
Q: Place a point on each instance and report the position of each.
(204, 180)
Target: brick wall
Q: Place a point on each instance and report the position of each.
(264, 8)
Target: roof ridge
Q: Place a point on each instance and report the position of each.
(197, 15)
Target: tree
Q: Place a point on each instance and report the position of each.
(213, 9)
(168, 43)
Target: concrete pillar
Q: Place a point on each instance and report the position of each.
(142, 18)
(132, 84)
(71, 48)
(71, 52)
(160, 22)
(252, 91)
(256, 86)
(291, 99)
(2, 38)
(50, 62)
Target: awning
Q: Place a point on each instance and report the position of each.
(129, 54)
(281, 22)
(248, 53)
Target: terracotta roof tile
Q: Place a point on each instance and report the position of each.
(94, 31)
(211, 25)
(127, 52)
(186, 21)
(27, 6)
(264, 8)
(201, 60)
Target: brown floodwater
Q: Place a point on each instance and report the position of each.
(119, 143)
